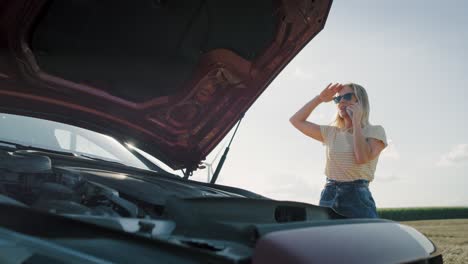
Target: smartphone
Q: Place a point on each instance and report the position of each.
(350, 113)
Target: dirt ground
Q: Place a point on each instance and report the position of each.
(450, 237)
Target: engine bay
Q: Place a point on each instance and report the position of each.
(57, 191)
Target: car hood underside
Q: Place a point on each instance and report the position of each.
(171, 77)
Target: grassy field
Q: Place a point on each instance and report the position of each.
(450, 237)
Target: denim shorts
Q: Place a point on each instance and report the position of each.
(351, 199)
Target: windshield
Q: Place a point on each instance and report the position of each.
(56, 136)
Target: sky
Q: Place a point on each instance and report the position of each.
(411, 57)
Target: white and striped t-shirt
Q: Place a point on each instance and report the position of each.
(341, 164)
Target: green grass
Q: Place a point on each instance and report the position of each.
(423, 213)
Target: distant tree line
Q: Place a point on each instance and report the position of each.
(423, 213)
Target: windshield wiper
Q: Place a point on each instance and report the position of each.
(100, 159)
(17, 146)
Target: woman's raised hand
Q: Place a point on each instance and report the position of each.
(327, 94)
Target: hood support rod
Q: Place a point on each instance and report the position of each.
(223, 158)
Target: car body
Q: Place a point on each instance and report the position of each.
(91, 92)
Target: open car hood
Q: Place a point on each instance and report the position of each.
(171, 77)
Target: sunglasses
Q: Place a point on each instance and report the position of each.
(347, 97)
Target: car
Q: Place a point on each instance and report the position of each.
(96, 97)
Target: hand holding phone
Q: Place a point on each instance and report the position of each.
(349, 111)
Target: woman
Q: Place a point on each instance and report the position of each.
(352, 145)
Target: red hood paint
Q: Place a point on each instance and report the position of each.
(181, 128)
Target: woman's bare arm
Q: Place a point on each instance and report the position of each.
(365, 149)
(298, 120)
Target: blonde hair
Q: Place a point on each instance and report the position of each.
(363, 100)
